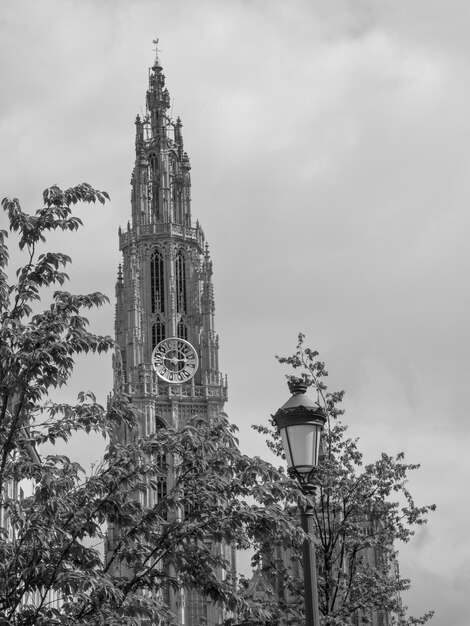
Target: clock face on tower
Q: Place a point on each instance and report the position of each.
(175, 360)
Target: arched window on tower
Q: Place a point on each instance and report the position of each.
(154, 180)
(161, 467)
(182, 330)
(157, 283)
(178, 209)
(180, 283)
(158, 332)
(153, 163)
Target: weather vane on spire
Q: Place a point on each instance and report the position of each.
(157, 60)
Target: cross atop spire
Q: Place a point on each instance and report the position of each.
(155, 41)
(157, 60)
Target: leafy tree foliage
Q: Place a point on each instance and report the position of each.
(360, 514)
(52, 569)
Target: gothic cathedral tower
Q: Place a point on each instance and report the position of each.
(164, 286)
(165, 296)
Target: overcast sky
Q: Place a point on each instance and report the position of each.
(329, 143)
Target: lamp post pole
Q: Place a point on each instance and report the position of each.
(300, 422)
(312, 613)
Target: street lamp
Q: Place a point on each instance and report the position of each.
(300, 422)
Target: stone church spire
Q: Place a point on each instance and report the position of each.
(167, 356)
(161, 182)
(165, 286)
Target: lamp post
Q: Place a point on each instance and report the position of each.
(300, 422)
